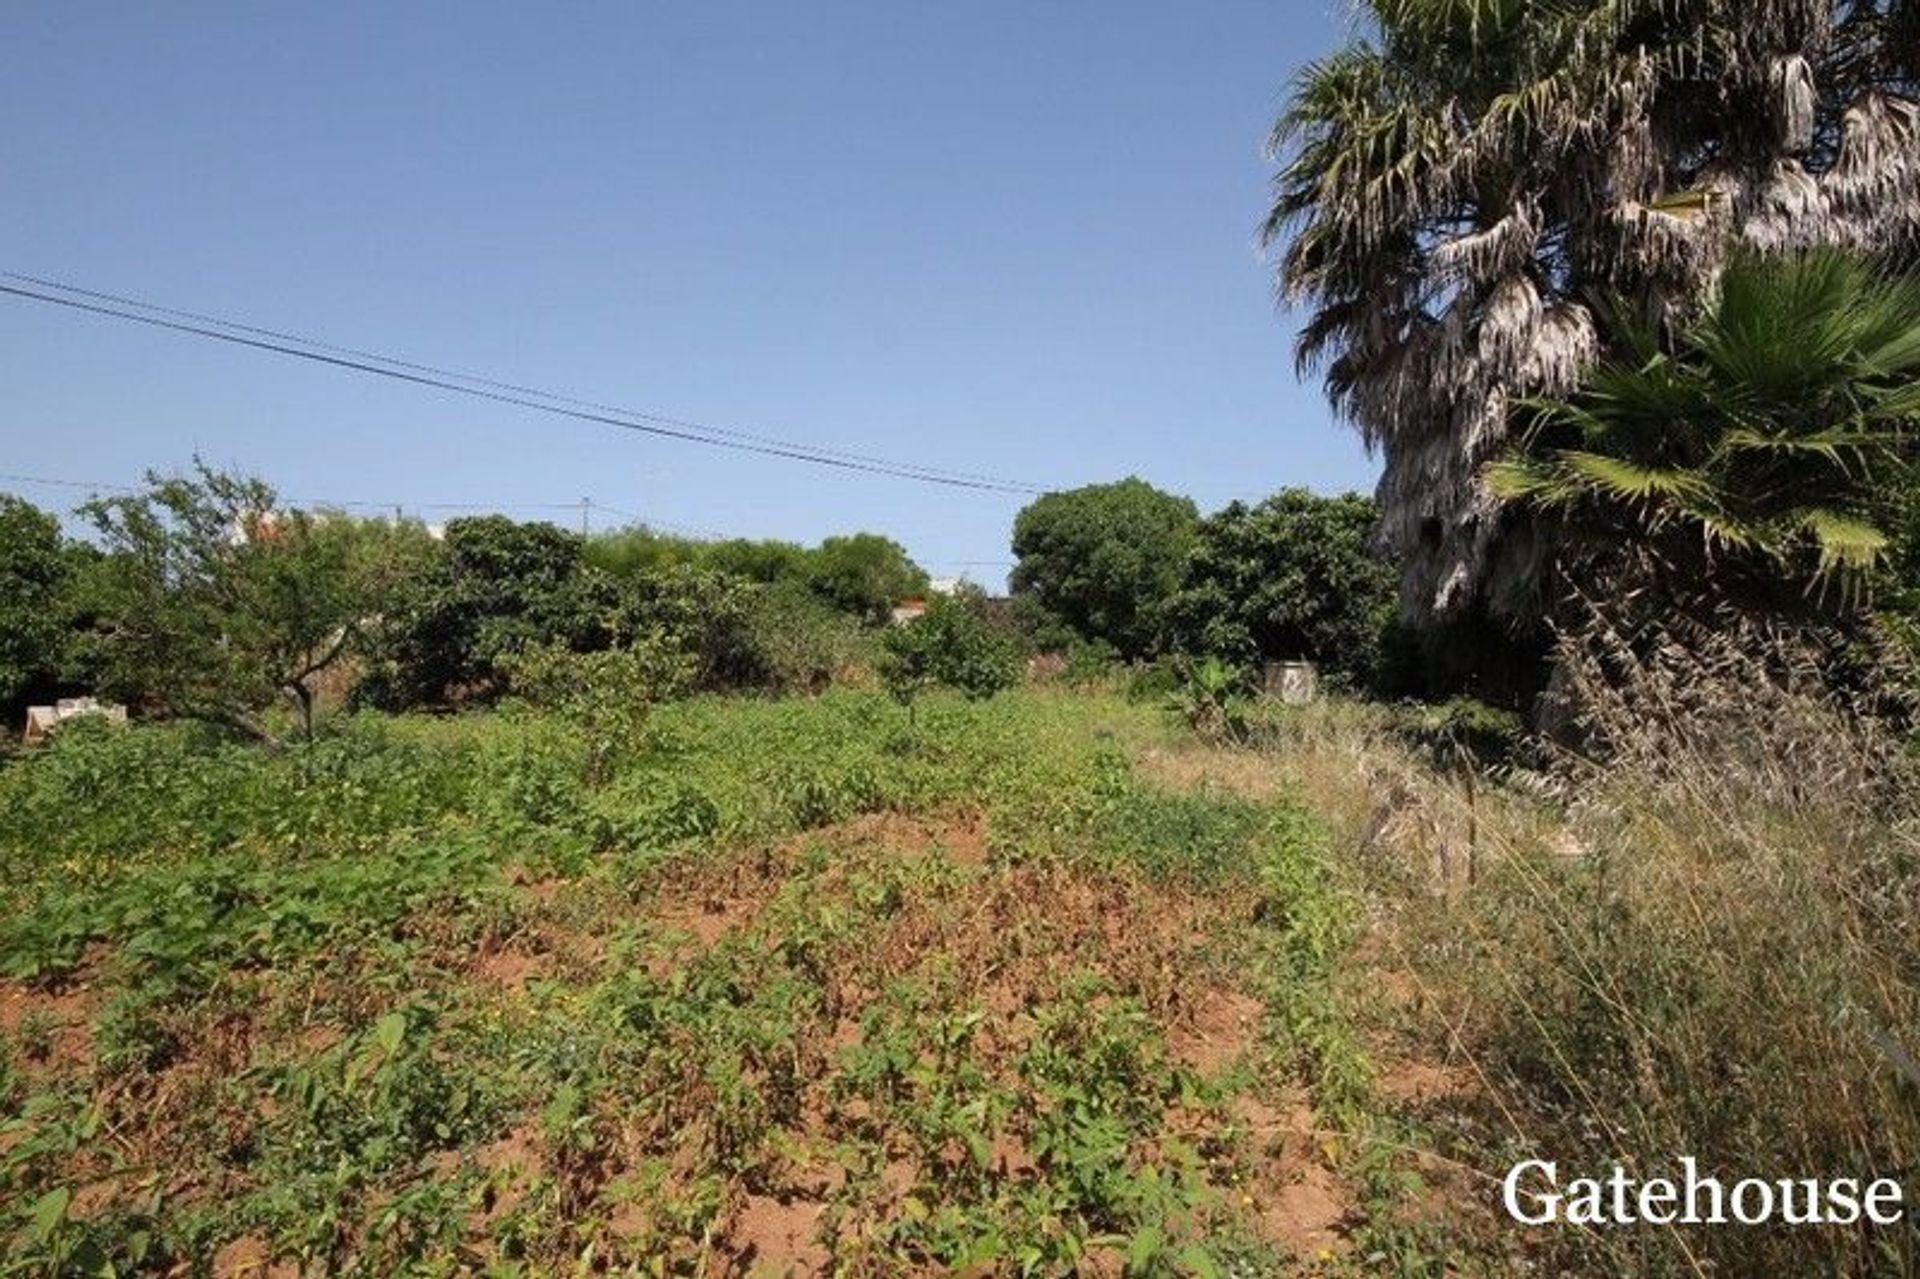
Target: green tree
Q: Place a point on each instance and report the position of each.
(1460, 180)
(1758, 463)
(957, 643)
(700, 613)
(500, 588)
(865, 574)
(1295, 576)
(210, 604)
(497, 586)
(801, 642)
(767, 562)
(624, 552)
(1104, 559)
(608, 695)
(35, 565)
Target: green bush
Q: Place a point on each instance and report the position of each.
(36, 564)
(1102, 560)
(1292, 578)
(608, 695)
(954, 644)
(800, 644)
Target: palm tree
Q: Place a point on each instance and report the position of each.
(1755, 457)
(1460, 182)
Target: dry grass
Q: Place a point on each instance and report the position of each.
(1701, 935)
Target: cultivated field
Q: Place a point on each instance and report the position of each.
(800, 988)
(1045, 984)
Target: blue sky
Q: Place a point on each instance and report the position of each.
(1012, 237)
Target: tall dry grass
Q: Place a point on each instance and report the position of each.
(1699, 934)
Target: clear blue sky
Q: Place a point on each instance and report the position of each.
(1014, 237)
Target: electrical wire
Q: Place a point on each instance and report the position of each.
(558, 406)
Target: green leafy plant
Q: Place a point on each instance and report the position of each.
(1294, 577)
(954, 644)
(1212, 697)
(608, 694)
(1103, 559)
(212, 603)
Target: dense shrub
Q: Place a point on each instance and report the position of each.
(501, 588)
(35, 565)
(497, 586)
(607, 694)
(1294, 577)
(862, 575)
(955, 644)
(800, 643)
(1102, 560)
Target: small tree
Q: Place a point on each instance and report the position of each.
(34, 567)
(608, 694)
(210, 605)
(1104, 559)
(496, 586)
(1295, 576)
(864, 574)
(954, 644)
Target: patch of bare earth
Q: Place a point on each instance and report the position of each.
(52, 1026)
(1297, 1201)
(247, 1258)
(1416, 1082)
(510, 969)
(1218, 1029)
(773, 1238)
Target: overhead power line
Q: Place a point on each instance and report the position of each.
(317, 344)
(117, 306)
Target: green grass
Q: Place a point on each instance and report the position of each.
(798, 982)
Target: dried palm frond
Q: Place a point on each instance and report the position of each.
(1457, 184)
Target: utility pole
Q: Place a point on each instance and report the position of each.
(586, 517)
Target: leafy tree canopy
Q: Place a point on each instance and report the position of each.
(35, 564)
(1293, 577)
(212, 604)
(861, 574)
(865, 574)
(957, 643)
(1104, 559)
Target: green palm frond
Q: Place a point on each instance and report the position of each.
(1772, 427)
(1844, 542)
(1541, 483)
(1627, 481)
(1844, 446)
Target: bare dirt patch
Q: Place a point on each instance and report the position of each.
(52, 1026)
(770, 1238)
(510, 969)
(247, 1258)
(1307, 1215)
(1298, 1203)
(1414, 1082)
(1219, 1028)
